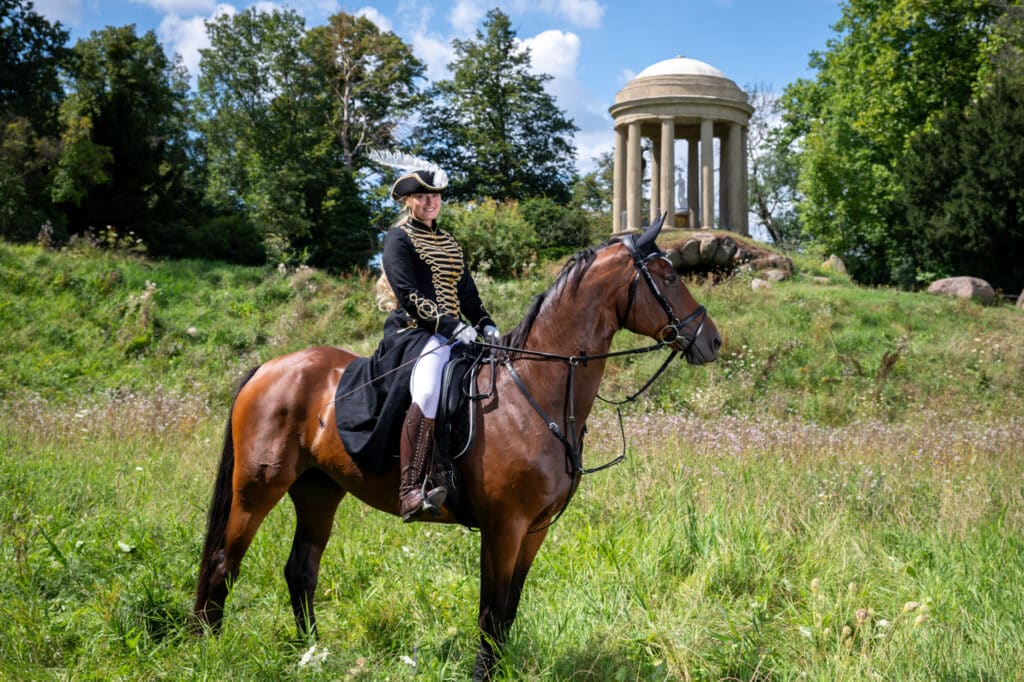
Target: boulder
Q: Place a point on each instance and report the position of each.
(758, 284)
(835, 264)
(725, 251)
(719, 251)
(965, 287)
(689, 254)
(708, 248)
(775, 274)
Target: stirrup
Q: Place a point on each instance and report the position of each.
(433, 500)
(430, 502)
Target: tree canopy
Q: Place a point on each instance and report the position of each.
(493, 126)
(125, 132)
(893, 67)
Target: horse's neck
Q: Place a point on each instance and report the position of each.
(579, 325)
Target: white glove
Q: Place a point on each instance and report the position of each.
(464, 333)
(491, 334)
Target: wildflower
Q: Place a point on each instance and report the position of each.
(882, 623)
(910, 606)
(815, 586)
(806, 632)
(862, 615)
(408, 661)
(312, 656)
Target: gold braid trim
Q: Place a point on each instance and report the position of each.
(443, 255)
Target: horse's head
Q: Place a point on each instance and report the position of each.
(660, 306)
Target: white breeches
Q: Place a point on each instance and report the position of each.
(425, 384)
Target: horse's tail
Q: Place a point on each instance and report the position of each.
(220, 504)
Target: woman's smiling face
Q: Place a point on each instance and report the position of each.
(424, 207)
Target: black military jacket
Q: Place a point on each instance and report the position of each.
(429, 275)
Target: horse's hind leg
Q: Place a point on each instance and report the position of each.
(316, 498)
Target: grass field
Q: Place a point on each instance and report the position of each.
(840, 497)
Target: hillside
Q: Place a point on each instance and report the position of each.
(84, 322)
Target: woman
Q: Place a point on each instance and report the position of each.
(436, 304)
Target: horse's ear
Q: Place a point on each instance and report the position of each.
(645, 243)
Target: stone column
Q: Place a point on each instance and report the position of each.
(619, 179)
(633, 179)
(744, 187)
(724, 176)
(737, 202)
(668, 171)
(693, 180)
(653, 207)
(707, 174)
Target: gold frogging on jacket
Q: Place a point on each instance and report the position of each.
(443, 255)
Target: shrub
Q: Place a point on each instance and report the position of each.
(495, 237)
(557, 226)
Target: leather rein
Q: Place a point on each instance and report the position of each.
(669, 334)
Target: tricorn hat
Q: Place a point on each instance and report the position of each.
(419, 182)
(420, 176)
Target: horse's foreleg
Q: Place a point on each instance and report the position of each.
(505, 559)
(316, 498)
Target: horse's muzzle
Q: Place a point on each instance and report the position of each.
(702, 347)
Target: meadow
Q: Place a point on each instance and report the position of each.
(839, 497)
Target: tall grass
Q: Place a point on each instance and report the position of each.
(838, 498)
(738, 548)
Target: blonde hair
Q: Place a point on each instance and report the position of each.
(384, 294)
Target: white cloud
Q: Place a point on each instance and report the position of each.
(371, 13)
(181, 7)
(435, 52)
(554, 53)
(187, 36)
(67, 12)
(465, 16)
(585, 13)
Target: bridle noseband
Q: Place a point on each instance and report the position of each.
(673, 331)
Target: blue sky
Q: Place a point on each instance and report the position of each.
(591, 47)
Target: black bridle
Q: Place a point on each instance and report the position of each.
(672, 331)
(669, 335)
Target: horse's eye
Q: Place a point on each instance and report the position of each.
(671, 279)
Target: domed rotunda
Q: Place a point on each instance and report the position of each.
(681, 99)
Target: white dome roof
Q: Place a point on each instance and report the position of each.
(681, 66)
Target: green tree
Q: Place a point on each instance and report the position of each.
(893, 66)
(271, 154)
(31, 51)
(372, 80)
(126, 150)
(774, 170)
(964, 190)
(493, 127)
(592, 192)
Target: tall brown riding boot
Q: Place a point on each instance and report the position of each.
(416, 446)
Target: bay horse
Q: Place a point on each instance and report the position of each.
(281, 436)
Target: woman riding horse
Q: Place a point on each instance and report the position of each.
(281, 437)
(427, 289)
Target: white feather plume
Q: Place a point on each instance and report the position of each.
(408, 163)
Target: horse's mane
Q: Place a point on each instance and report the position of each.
(568, 280)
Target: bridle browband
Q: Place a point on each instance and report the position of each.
(668, 336)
